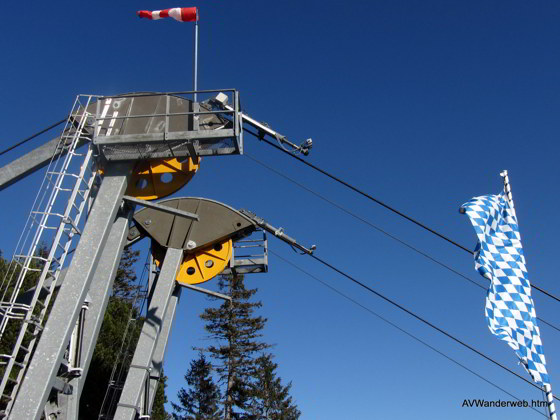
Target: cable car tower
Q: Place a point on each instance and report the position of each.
(116, 156)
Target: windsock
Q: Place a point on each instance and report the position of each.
(181, 14)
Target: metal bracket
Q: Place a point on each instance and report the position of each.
(278, 232)
(206, 291)
(220, 101)
(155, 206)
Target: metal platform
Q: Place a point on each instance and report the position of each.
(163, 125)
(250, 255)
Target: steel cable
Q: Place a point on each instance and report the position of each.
(398, 328)
(368, 223)
(364, 194)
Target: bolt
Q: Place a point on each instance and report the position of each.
(148, 222)
(191, 244)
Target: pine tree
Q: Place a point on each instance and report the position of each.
(270, 400)
(158, 407)
(200, 401)
(237, 331)
(124, 287)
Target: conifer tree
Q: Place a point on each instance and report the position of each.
(237, 330)
(270, 400)
(158, 407)
(201, 400)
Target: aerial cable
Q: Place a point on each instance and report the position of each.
(357, 190)
(419, 318)
(368, 223)
(335, 290)
(32, 137)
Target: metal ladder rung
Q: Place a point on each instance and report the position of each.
(64, 189)
(58, 174)
(11, 305)
(47, 213)
(36, 257)
(81, 138)
(15, 315)
(75, 176)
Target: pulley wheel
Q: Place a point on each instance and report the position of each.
(202, 266)
(159, 178)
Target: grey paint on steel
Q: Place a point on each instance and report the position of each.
(141, 362)
(30, 162)
(44, 365)
(99, 292)
(158, 125)
(161, 345)
(217, 222)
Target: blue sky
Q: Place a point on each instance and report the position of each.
(420, 103)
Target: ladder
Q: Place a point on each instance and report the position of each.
(35, 271)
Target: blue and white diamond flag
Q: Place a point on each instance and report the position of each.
(510, 311)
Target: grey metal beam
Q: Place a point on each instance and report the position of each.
(48, 355)
(30, 162)
(162, 340)
(160, 137)
(261, 127)
(165, 209)
(99, 292)
(141, 362)
(206, 291)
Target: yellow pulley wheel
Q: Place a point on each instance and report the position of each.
(205, 264)
(159, 178)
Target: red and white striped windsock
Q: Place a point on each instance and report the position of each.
(182, 14)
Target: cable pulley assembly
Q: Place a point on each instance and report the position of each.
(278, 232)
(221, 102)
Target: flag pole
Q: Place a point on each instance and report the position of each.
(550, 402)
(507, 189)
(547, 388)
(195, 64)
